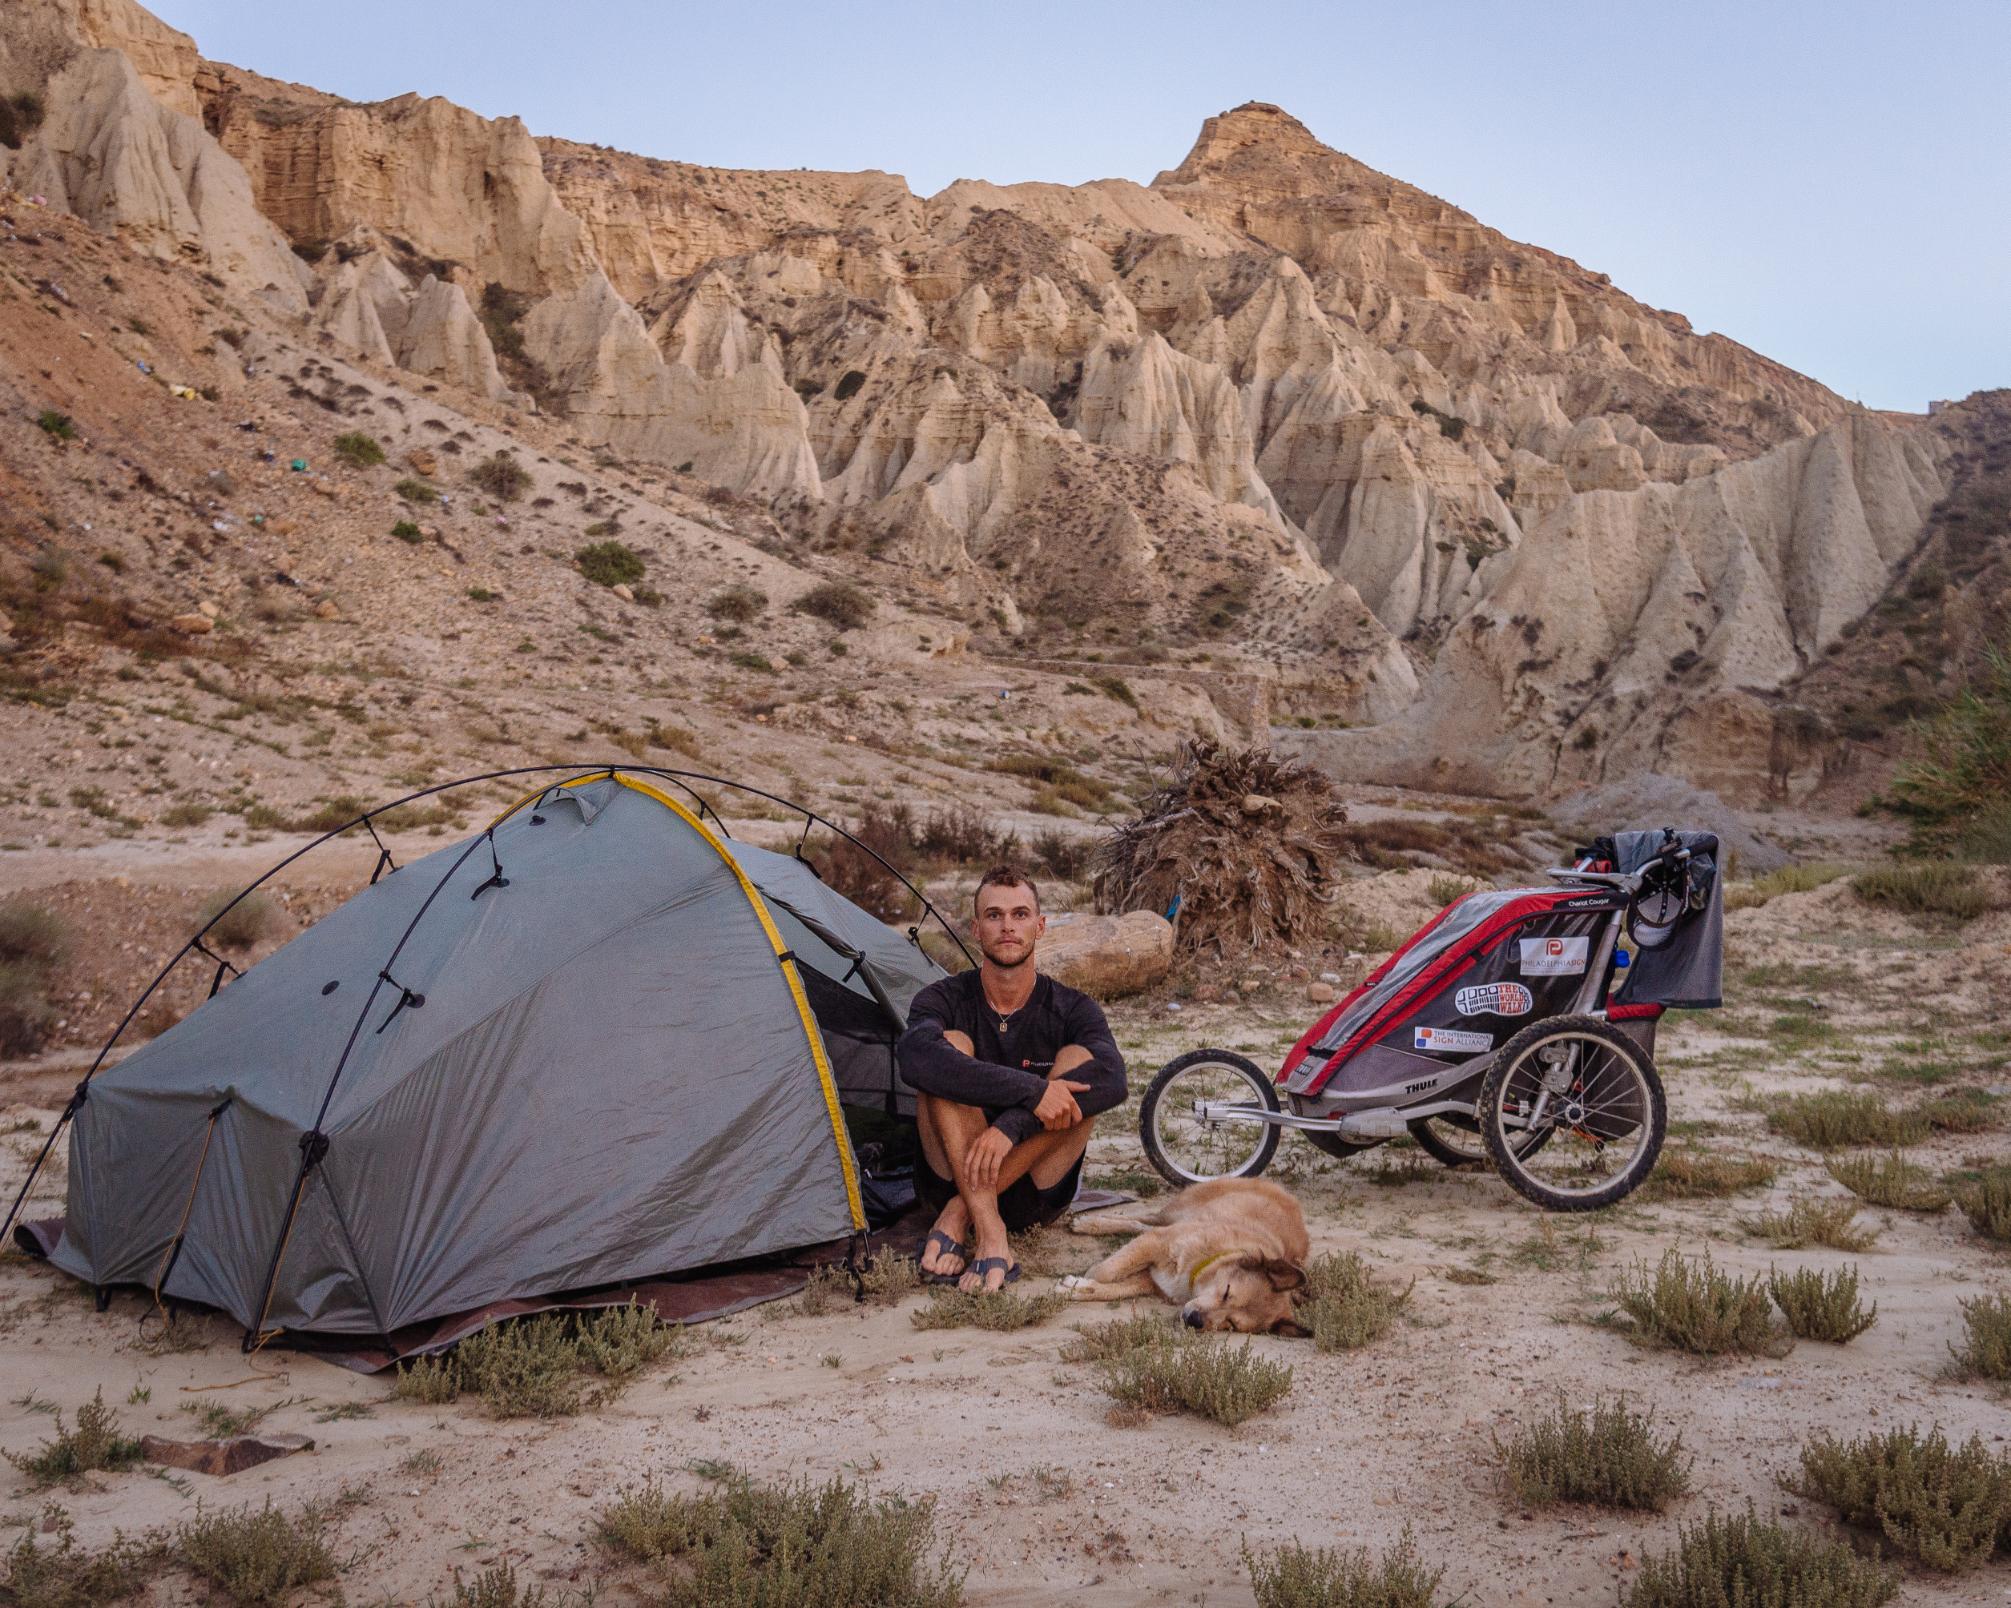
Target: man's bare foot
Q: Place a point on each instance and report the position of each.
(991, 1243)
(954, 1224)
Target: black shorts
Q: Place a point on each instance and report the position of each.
(1023, 1204)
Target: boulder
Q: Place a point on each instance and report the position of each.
(1107, 956)
(193, 624)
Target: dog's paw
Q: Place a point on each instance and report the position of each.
(1071, 1282)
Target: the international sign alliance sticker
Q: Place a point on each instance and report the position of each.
(1451, 1040)
(1554, 957)
(1494, 999)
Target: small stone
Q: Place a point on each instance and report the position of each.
(621, 590)
(423, 462)
(207, 607)
(282, 527)
(1321, 993)
(326, 610)
(1258, 803)
(193, 624)
(428, 532)
(325, 487)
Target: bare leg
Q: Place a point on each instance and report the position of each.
(955, 1217)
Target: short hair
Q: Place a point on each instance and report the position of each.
(1005, 876)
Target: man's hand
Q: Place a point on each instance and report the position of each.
(1057, 1107)
(982, 1160)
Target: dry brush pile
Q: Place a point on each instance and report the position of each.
(1250, 845)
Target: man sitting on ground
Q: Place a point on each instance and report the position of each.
(1010, 1070)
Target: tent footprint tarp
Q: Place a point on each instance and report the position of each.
(617, 1071)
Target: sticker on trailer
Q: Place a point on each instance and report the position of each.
(1494, 999)
(1451, 1040)
(1554, 957)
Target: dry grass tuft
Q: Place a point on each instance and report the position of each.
(1706, 1175)
(1757, 1563)
(1343, 1307)
(1812, 1221)
(66, 1575)
(999, 1310)
(1295, 1576)
(1925, 888)
(1890, 1181)
(1692, 1306)
(539, 1367)
(1151, 1365)
(1608, 1455)
(1987, 1205)
(1833, 1119)
(1821, 1306)
(753, 1546)
(884, 1280)
(1948, 1506)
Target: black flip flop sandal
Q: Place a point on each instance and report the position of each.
(983, 1267)
(942, 1243)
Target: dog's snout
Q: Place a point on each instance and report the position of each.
(1190, 1317)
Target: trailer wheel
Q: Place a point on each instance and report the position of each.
(1595, 1092)
(1456, 1140)
(1185, 1148)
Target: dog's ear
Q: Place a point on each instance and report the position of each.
(1283, 1275)
(1291, 1329)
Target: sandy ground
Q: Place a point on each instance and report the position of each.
(1040, 1498)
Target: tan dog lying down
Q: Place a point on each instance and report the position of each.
(1230, 1253)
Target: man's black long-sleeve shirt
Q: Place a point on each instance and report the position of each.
(1008, 1075)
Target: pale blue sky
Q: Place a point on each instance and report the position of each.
(1828, 183)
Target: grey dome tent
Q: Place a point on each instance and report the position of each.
(597, 1042)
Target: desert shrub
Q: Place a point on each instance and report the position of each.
(837, 603)
(1987, 1205)
(1297, 1576)
(1832, 1119)
(1787, 879)
(1986, 1347)
(961, 834)
(883, 1280)
(1688, 1174)
(66, 1575)
(1890, 1180)
(1744, 1561)
(1810, 1221)
(751, 1546)
(495, 1587)
(1445, 890)
(618, 1342)
(1963, 773)
(997, 1310)
(1960, 1111)
(1060, 855)
(95, 1443)
(610, 563)
(32, 942)
(239, 925)
(1343, 1307)
(59, 425)
(358, 450)
(31, 935)
(416, 491)
(1925, 888)
(20, 115)
(257, 1556)
(525, 1369)
(888, 831)
(187, 813)
(1154, 1366)
(738, 602)
(1608, 1455)
(1821, 1306)
(1948, 1506)
(1692, 1306)
(431, 1380)
(407, 532)
(501, 476)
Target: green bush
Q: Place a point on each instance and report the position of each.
(1832, 1119)
(434, 1381)
(257, 1556)
(1343, 1307)
(537, 1367)
(739, 603)
(1788, 879)
(1743, 1561)
(1925, 888)
(1891, 1181)
(1692, 1174)
(20, 115)
(766, 1546)
(1948, 1506)
(94, 1444)
(1691, 1306)
(406, 531)
(1821, 1306)
(1986, 1347)
(1810, 1221)
(59, 425)
(1152, 1366)
(501, 476)
(68, 1576)
(837, 603)
(32, 944)
(998, 1310)
(1987, 1205)
(1956, 790)
(240, 925)
(610, 563)
(1960, 1111)
(495, 1587)
(1297, 1576)
(358, 450)
(416, 491)
(1608, 1455)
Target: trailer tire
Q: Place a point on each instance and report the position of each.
(1188, 1077)
(1515, 1062)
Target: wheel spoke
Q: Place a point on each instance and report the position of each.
(1599, 1129)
